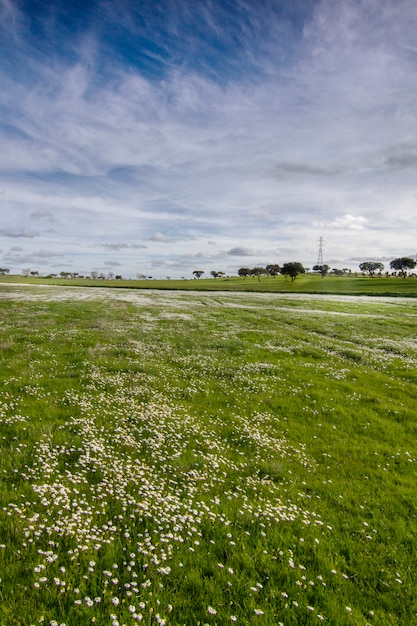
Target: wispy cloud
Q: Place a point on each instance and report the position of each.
(18, 232)
(41, 257)
(43, 214)
(241, 251)
(161, 238)
(122, 246)
(309, 169)
(403, 157)
(112, 263)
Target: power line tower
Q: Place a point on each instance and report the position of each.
(320, 255)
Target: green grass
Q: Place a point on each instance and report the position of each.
(191, 458)
(305, 283)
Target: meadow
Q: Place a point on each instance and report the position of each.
(206, 458)
(349, 284)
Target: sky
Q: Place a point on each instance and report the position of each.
(162, 137)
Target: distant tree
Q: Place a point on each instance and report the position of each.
(337, 272)
(198, 273)
(403, 264)
(26, 271)
(322, 269)
(292, 269)
(371, 267)
(110, 275)
(141, 276)
(4, 270)
(258, 271)
(214, 273)
(34, 273)
(272, 269)
(94, 275)
(243, 271)
(118, 277)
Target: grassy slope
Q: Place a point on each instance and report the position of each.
(308, 283)
(223, 418)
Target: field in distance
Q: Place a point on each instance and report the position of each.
(304, 283)
(199, 458)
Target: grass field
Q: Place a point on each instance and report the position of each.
(305, 283)
(195, 458)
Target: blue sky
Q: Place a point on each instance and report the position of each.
(163, 137)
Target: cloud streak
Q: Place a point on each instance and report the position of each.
(241, 251)
(14, 233)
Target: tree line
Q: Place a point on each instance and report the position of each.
(401, 265)
(292, 269)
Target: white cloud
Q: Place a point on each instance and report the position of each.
(161, 238)
(350, 222)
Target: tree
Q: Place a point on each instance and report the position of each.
(26, 271)
(243, 271)
(258, 271)
(292, 269)
(4, 270)
(403, 264)
(198, 273)
(371, 267)
(272, 269)
(323, 269)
